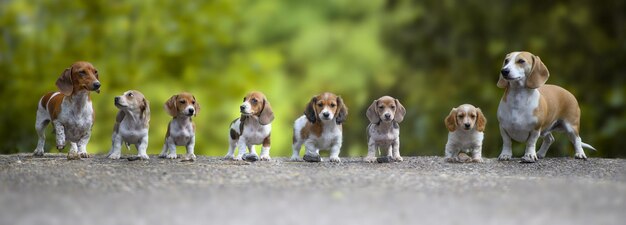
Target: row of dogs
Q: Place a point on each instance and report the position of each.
(528, 110)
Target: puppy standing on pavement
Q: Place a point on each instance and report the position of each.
(181, 131)
(252, 128)
(320, 128)
(385, 115)
(70, 110)
(466, 124)
(529, 109)
(131, 124)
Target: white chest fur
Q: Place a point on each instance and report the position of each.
(253, 132)
(131, 132)
(76, 116)
(384, 134)
(516, 112)
(181, 131)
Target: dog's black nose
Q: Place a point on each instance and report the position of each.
(242, 108)
(191, 110)
(467, 125)
(387, 116)
(96, 85)
(326, 114)
(505, 72)
(117, 99)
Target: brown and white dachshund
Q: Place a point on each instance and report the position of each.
(252, 128)
(181, 131)
(70, 110)
(385, 115)
(320, 128)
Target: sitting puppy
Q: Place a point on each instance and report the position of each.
(383, 132)
(181, 130)
(131, 124)
(320, 128)
(252, 128)
(466, 125)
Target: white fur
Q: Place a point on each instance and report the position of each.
(181, 133)
(73, 123)
(253, 134)
(133, 131)
(385, 136)
(330, 138)
(468, 141)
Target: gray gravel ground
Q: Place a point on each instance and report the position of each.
(52, 190)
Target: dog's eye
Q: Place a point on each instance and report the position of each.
(130, 95)
(182, 101)
(95, 71)
(520, 61)
(381, 107)
(254, 101)
(460, 116)
(332, 105)
(82, 73)
(193, 102)
(393, 107)
(320, 105)
(473, 116)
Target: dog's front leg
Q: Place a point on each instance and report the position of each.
(82, 145)
(507, 152)
(396, 150)
(59, 130)
(334, 152)
(116, 146)
(241, 148)
(371, 151)
(530, 155)
(72, 154)
(311, 152)
(190, 148)
(477, 154)
(141, 148)
(265, 150)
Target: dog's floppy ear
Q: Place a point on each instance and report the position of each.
(502, 83)
(170, 106)
(372, 113)
(342, 111)
(538, 74)
(267, 115)
(451, 120)
(118, 119)
(64, 83)
(400, 112)
(145, 110)
(196, 106)
(309, 112)
(481, 121)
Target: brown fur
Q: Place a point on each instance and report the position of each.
(316, 105)
(267, 142)
(557, 103)
(475, 116)
(177, 103)
(260, 107)
(386, 102)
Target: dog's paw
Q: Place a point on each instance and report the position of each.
(143, 156)
(334, 159)
(171, 156)
(251, 157)
(295, 159)
(162, 155)
(73, 155)
(477, 160)
(84, 155)
(38, 153)
(312, 158)
(266, 158)
(529, 158)
(114, 156)
(229, 157)
(580, 156)
(451, 160)
(370, 159)
(397, 158)
(60, 146)
(504, 157)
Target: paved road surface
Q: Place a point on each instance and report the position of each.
(425, 190)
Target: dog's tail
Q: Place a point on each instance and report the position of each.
(587, 146)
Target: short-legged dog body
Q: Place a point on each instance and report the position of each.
(385, 115)
(252, 128)
(131, 124)
(465, 124)
(181, 131)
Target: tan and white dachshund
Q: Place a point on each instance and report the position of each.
(70, 110)
(529, 109)
(181, 131)
(320, 128)
(253, 127)
(131, 124)
(466, 125)
(385, 115)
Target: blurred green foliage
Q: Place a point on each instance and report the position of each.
(432, 55)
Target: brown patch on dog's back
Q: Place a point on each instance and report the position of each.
(54, 106)
(234, 135)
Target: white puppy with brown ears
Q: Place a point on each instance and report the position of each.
(131, 124)
(529, 109)
(320, 128)
(385, 115)
(465, 124)
(252, 128)
(181, 131)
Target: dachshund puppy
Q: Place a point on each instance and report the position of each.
(529, 109)
(385, 114)
(70, 110)
(181, 131)
(465, 124)
(320, 128)
(252, 128)
(131, 124)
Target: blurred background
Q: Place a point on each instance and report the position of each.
(430, 54)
